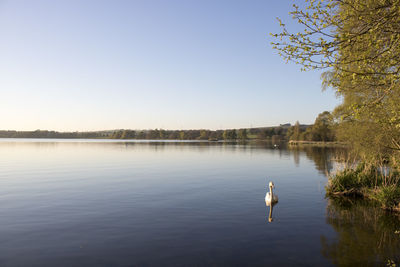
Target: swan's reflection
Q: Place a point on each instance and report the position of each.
(271, 207)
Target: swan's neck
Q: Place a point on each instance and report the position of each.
(271, 193)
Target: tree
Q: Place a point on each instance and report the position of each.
(182, 135)
(357, 43)
(127, 134)
(141, 135)
(229, 135)
(213, 136)
(322, 128)
(204, 135)
(225, 135)
(116, 135)
(173, 135)
(243, 134)
(262, 134)
(162, 134)
(277, 131)
(294, 132)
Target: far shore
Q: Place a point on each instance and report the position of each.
(290, 143)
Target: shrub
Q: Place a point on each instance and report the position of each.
(343, 181)
(388, 196)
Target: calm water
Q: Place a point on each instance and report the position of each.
(94, 203)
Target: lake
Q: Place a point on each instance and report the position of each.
(141, 203)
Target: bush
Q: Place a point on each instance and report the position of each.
(369, 183)
(388, 196)
(343, 181)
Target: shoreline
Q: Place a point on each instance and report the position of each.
(317, 143)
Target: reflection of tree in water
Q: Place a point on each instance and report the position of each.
(365, 234)
(322, 156)
(296, 156)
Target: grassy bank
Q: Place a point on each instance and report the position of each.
(373, 183)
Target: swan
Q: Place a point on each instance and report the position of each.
(270, 197)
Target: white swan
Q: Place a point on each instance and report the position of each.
(270, 197)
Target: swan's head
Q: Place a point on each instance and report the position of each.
(271, 184)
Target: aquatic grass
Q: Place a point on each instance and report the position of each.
(388, 196)
(345, 182)
(377, 184)
(351, 181)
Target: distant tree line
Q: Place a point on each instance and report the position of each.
(323, 129)
(51, 134)
(160, 134)
(275, 134)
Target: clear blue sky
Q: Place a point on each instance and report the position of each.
(176, 64)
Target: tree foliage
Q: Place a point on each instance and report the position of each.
(294, 132)
(323, 130)
(357, 44)
(229, 135)
(243, 134)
